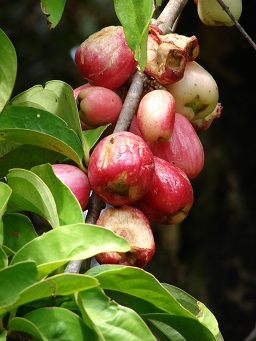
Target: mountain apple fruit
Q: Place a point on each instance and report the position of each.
(105, 58)
(196, 94)
(99, 106)
(211, 13)
(76, 180)
(184, 149)
(121, 168)
(130, 223)
(80, 88)
(170, 196)
(167, 55)
(155, 115)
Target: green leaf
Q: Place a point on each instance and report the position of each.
(8, 68)
(164, 332)
(53, 324)
(69, 242)
(16, 155)
(3, 336)
(13, 280)
(40, 128)
(5, 194)
(135, 17)
(3, 259)
(208, 319)
(69, 209)
(18, 231)
(58, 285)
(142, 285)
(113, 321)
(53, 10)
(30, 193)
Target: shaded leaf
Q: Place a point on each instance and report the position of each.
(20, 324)
(3, 259)
(69, 242)
(113, 321)
(135, 17)
(30, 193)
(53, 9)
(40, 128)
(5, 194)
(18, 231)
(68, 208)
(62, 284)
(8, 68)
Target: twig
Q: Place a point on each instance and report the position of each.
(171, 12)
(238, 26)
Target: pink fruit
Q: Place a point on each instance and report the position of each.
(99, 106)
(80, 88)
(184, 149)
(155, 115)
(130, 223)
(170, 196)
(105, 58)
(121, 168)
(76, 180)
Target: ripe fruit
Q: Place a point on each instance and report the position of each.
(211, 13)
(184, 149)
(99, 106)
(121, 168)
(105, 58)
(156, 113)
(170, 196)
(76, 180)
(80, 88)
(130, 223)
(196, 94)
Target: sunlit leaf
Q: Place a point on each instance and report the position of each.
(5, 194)
(40, 128)
(135, 17)
(30, 193)
(3, 258)
(8, 68)
(69, 242)
(53, 9)
(18, 231)
(113, 321)
(69, 209)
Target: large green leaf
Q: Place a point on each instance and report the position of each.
(18, 231)
(8, 68)
(40, 128)
(68, 208)
(3, 259)
(30, 193)
(135, 17)
(16, 155)
(5, 194)
(53, 9)
(62, 284)
(69, 242)
(113, 321)
(163, 306)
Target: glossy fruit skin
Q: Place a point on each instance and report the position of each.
(155, 115)
(184, 149)
(121, 168)
(99, 106)
(105, 58)
(76, 180)
(170, 196)
(130, 223)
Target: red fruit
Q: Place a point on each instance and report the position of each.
(170, 196)
(184, 149)
(76, 180)
(132, 224)
(80, 88)
(155, 115)
(105, 58)
(121, 168)
(99, 106)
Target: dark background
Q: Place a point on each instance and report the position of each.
(212, 254)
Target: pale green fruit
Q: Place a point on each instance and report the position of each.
(211, 13)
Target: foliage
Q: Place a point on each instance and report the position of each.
(40, 127)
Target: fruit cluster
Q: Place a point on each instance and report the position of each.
(144, 172)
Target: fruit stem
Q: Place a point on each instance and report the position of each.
(238, 26)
